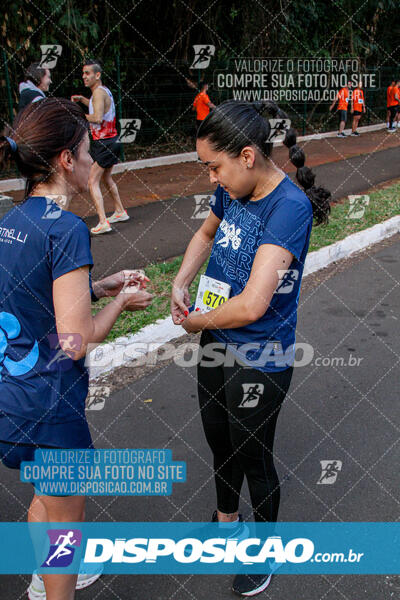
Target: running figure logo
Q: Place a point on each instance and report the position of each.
(50, 55)
(97, 397)
(202, 56)
(287, 279)
(10, 329)
(357, 206)
(278, 129)
(252, 393)
(63, 543)
(203, 203)
(53, 210)
(63, 346)
(129, 129)
(330, 470)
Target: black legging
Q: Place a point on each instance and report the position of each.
(393, 112)
(240, 431)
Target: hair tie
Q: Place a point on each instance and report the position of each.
(12, 143)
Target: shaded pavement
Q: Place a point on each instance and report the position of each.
(337, 412)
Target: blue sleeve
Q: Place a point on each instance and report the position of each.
(289, 226)
(69, 241)
(217, 204)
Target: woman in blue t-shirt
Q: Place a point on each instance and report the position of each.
(258, 231)
(46, 323)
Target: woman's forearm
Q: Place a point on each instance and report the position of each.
(233, 313)
(196, 254)
(101, 325)
(104, 320)
(95, 329)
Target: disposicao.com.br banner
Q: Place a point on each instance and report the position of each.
(200, 548)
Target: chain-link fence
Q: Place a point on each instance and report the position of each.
(159, 94)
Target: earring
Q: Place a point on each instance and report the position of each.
(248, 165)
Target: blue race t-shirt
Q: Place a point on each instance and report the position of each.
(283, 218)
(42, 391)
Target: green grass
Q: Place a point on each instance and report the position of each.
(383, 205)
(161, 276)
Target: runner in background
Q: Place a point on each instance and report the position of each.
(357, 107)
(37, 82)
(105, 147)
(392, 83)
(396, 122)
(202, 104)
(392, 97)
(342, 99)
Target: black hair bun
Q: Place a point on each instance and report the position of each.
(320, 198)
(290, 138)
(297, 156)
(305, 177)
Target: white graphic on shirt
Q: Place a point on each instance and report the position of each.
(9, 235)
(231, 235)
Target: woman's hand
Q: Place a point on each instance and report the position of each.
(189, 326)
(114, 284)
(136, 301)
(180, 302)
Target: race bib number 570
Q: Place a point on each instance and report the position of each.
(211, 293)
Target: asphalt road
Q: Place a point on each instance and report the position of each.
(344, 413)
(161, 230)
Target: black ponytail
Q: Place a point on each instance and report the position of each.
(319, 196)
(7, 150)
(233, 125)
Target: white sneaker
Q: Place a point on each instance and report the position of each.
(36, 590)
(118, 217)
(101, 228)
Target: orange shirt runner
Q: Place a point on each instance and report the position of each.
(396, 92)
(201, 105)
(390, 95)
(343, 99)
(358, 100)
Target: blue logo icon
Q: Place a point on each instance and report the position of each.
(62, 547)
(10, 329)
